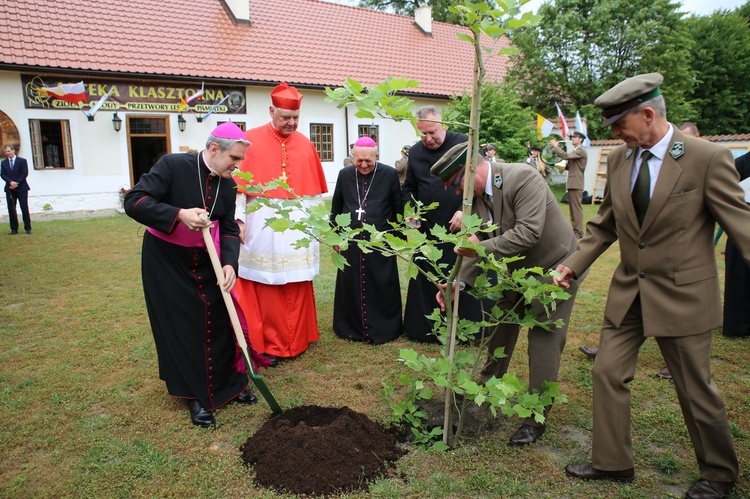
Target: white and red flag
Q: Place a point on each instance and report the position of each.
(563, 123)
(68, 92)
(184, 102)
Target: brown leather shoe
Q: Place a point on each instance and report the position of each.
(589, 352)
(526, 434)
(586, 471)
(706, 489)
(664, 374)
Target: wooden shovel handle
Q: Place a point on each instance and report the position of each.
(256, 378)
(227, 297)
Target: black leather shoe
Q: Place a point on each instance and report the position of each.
(589, 352)
(28, 231)
(13, 232)
(706, 489)
(586, 471)
(246, 398)
(200, 416)
(526, 435)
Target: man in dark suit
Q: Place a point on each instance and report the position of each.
(665, 192)
(14, 171)
(529, 223)
(737, 277)
(421, 185)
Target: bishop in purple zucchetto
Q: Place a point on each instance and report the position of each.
(229, 131)
(365, 142)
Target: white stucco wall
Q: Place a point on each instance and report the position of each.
(101, 157)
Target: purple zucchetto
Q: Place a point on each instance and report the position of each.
(229, 131)
(365, 142)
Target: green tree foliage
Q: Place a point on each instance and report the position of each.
(744, 10)
(440, 10)
(721, 60)
(504, 122)
(583, 47)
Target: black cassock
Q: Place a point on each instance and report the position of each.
(189, 320)
(427, 188)
(737, 277)
(367, 304)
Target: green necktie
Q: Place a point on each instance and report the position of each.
(641, 189)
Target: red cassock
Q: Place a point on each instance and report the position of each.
(275, 293)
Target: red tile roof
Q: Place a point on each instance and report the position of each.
(305, 42)
(609, 142)
(712, 138)
(727, 138)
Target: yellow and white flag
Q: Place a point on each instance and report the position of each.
(543, 127)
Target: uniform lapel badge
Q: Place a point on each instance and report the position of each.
(677, 150)
(497, 180)
(629, 153)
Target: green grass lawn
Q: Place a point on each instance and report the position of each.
(85, 414)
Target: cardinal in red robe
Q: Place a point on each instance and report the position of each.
(275, 288)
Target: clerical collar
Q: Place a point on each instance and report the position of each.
(211, 171)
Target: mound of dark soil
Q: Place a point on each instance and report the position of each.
(318, 450)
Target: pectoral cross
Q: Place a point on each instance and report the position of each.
(359, 213)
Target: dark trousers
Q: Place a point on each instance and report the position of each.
(23, 199)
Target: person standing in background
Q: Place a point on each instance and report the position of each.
(14, 170)
(422, 186)
(576, 165)
(367, 302)
(402, 164)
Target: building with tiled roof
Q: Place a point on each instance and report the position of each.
(595, 174)
(151, 53)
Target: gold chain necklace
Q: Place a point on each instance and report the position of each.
(283, 151)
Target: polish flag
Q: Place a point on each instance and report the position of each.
(563, 123)
(197, 95)
(68, 92)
